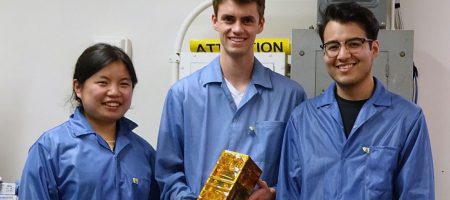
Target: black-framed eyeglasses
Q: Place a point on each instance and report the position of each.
(353, 45)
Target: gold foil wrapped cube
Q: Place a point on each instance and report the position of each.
(233, 178)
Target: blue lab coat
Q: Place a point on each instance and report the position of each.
(71, 161)
(200, 120)
(386, 156)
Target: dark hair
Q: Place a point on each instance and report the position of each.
(95, 58)
(350, 12)
(261, 4)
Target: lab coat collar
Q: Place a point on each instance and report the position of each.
(213, 74)
(380, 97)
(81, 126)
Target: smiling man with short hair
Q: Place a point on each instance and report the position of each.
(234, 103)
(356, 140)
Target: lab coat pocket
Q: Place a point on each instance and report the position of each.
(380, 165)
(136, 187)
(267, 145)
(269, 135)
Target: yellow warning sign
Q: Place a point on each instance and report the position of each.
(260, 45)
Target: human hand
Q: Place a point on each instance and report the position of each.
(264, 192)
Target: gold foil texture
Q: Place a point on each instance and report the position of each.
(233, 178)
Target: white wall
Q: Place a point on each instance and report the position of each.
(41, 40)
(431, 20)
